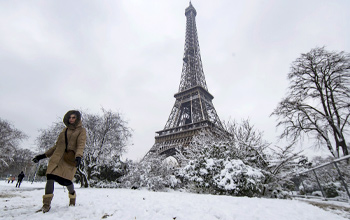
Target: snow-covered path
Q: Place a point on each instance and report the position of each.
(125, 204)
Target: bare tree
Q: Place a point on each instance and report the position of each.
(107, 138)
(22, 161)
(284, 163)
(251, 147)
(47, 137)
(10, 137)
(318, 100)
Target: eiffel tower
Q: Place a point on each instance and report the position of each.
(193, 110)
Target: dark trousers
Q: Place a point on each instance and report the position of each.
(18, 183)
(49, 188)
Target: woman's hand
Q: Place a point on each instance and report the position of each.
(77, 161)
(38, 157)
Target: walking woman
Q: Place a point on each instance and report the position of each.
(65, 157)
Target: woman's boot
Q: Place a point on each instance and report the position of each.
(72, 198)
(46, 203)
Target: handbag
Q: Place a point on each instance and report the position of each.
(69, 155)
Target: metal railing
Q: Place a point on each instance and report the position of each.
(341, 177)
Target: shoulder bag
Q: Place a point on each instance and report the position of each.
(68, 155)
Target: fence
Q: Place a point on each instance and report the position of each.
(326, 175)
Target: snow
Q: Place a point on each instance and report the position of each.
(210, 163)
(127, 204)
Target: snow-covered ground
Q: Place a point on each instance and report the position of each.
(125, 204)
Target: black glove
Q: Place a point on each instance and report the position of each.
(38, 157)
(77, 161)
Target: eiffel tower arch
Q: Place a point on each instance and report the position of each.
(193, 110)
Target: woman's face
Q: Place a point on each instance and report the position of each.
(72, 118)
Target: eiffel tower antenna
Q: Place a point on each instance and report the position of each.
(193, 110)
(192, 70)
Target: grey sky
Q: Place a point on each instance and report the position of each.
(127, 56)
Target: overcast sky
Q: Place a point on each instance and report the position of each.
(126, 56)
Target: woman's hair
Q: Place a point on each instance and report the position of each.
(68, 114)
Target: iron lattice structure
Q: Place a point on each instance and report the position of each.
(193, 110)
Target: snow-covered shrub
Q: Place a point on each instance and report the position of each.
(280, 194)
(150, 173)
(308, 187)
(172, 182)
(225, 165)
(239, 179)
(330, 189)
(209, 172)
(111, 171)
(42, 170)
(104, 184)
(106, 175)
(317, 193)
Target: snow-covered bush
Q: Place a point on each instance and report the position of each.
(213, 171)
(42, 170)
(317, 193)
(106, 176)
(308, 187)
(330, 189)
(213, 168)
(236, 178)
(104, 184)
(151, 173)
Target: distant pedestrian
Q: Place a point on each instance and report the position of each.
(13, 179)
(65, 156)
(9, 179)
(20, 178)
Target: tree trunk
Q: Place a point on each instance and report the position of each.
(86, 182)
(83, 179)
(344, 147)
